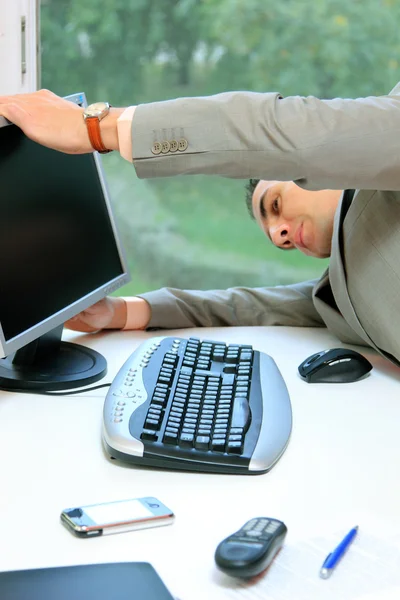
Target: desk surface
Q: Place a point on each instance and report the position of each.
(341, 467)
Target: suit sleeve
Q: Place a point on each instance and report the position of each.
(319, 144)
(289, 305)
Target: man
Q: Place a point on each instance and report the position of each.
(317, 144)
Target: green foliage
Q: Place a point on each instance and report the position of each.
(88, 44)
(322, 47)
(326, 48)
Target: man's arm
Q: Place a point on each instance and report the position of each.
(319, 144)
(169, 308)
(289, 305)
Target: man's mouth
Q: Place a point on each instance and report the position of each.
(298, 238)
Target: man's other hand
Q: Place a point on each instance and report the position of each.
(109, 313)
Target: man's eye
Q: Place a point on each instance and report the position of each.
(275, 205)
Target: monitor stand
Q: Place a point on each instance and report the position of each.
(47, 363)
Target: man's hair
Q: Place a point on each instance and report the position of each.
(250, 187)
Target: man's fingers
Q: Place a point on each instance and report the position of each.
(79, 326)
(13, 112)
(96, 309)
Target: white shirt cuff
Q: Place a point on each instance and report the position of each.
(124, 126)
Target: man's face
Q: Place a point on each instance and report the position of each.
(295, 218)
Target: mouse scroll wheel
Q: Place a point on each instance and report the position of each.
(313, 358)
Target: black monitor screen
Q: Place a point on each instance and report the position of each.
(56, 239)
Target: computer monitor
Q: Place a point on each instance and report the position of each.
(59, 254)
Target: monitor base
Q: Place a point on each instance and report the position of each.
(69, 367)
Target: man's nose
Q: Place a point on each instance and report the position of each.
(281, 235)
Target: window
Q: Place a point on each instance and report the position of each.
(194, 232)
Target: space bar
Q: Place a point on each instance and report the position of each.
(241, 414)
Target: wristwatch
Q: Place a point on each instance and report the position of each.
(92, 115)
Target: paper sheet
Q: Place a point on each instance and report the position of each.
(369, 571)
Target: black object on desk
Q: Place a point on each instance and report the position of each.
(251, 550)
(337, 365)
(110, 581)
(198, 405)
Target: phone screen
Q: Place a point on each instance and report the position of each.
(116, 512)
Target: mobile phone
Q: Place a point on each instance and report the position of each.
(116, 517)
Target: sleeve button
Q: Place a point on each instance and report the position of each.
(173, 146)
(165, 146)
(156, 148)
(182, 144)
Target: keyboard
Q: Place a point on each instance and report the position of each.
(198, 405)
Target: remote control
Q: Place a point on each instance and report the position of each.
(251, 549)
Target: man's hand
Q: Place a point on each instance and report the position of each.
(55, 122)
(109, 313)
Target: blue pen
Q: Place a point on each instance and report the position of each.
(334, 557)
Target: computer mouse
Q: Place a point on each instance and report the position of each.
(337, 365)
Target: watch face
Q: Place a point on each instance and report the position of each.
(96, 109)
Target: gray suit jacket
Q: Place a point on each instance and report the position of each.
(320, 144)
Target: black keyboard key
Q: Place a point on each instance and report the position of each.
(188, 362)
(204, 430)
(177, 405)
(220, 429)
(236, 431)
(235, 438)
(228, 379)
(152, 423)
(235, 447)
(202, 442)
(186, 439)
(218, 444)
(170, 437)
(170, 362)
(188, 429)
(176, 412)
(242, 388)
(186, 370)
(148, 434)
(241, 415)
(160, 398)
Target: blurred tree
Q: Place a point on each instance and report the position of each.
(179, 34)
(322, 47)
(326, 48)
(85, 44)
(107, 44)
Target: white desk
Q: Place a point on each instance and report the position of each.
(341, 467)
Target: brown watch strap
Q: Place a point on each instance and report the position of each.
(93, 126)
